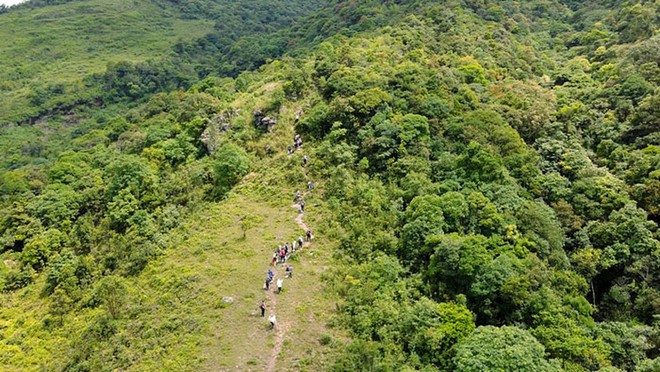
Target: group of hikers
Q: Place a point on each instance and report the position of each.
(281, 255)
(280, 282)
(283, 252)
(297, 144)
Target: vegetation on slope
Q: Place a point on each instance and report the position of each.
(100, 52)
(48, 51)
(489, 178)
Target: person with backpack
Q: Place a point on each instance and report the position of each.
(309, 235)
(263, 308)
(300, 241)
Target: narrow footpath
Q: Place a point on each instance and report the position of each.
(282, 327)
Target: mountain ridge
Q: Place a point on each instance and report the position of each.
(485, 182)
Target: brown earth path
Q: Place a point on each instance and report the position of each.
(282, 328)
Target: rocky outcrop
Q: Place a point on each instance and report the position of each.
(218, 126)
(262, 121)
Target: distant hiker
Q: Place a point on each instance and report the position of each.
(298, 196)
(273, 321)
(293, 246)
(309, 235)
(300, 242)
(280, 282)
(274, 262)
(304, 160)
(310, 185)
(263, 309)
(268, 279)
(289, 150)
(270, 274)
(302, 206)
(289, 270)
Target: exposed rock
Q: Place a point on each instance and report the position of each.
(219, 125)
(258, 115)
(262, 121)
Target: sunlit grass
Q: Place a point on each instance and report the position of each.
(60, 45)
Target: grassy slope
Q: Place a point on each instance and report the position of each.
(173, 317)
(223, 263)
(238, 339)
(61, 44)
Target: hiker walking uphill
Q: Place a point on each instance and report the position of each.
(269, 278)
(282, 253)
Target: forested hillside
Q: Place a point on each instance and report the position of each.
(59, 54)
(485, 187)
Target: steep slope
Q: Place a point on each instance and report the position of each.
(171, 315)
(51, 50)
(487, 176)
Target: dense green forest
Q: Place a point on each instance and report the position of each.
(487, 184)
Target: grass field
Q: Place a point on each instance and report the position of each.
(55, 47)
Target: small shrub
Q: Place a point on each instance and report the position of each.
(325, 339)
